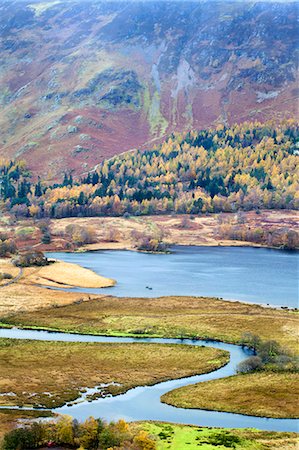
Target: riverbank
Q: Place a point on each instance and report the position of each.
(263, 394)
(51, 374)
(144, 402)
(172, 316)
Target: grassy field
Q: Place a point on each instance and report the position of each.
(173, 437)
(263, 394)
(7, 267)
(166, 317)
(20, 297)
(53, 373)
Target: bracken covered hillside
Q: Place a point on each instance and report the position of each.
(83, 81)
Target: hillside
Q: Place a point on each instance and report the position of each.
(246, 167)
(84, 81)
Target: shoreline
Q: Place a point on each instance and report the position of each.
(126, 233)
(110, 247)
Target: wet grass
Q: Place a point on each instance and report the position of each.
(263, 394)
(50, 374)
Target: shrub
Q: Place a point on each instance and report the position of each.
(224, 438)
(24, 232)
(5, 276)
(24, 438)
(185, 223)
(250, 364)
(269, 350)
(43, 225)
(31, 259)
(81, 235)
(7, 247)
(46, 238)
(251, 340)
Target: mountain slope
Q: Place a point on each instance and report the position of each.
(83, 81)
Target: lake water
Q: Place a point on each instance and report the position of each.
(255, 275)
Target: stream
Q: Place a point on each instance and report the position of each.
(143, 402)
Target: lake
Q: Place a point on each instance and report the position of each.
(256, 275)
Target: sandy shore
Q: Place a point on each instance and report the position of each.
(62, 274)
(27, 293)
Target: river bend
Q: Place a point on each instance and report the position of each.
(143, 402)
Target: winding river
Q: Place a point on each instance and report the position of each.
(256, 275)
(143, 402)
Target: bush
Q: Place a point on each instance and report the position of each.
(46, 238)
(268, 351)
(251, 340)
(250, 364)
(224, 438)
(81, 235)
(151, 244)
(44, 225)
(25, 232)
(7, 247)
(5, 276)
(185, 223)
(31, 259)
(269, 354)
(24, 438)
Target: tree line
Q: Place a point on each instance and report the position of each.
(93, 434)
(243, 167)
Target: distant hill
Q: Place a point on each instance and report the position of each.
(82, 81)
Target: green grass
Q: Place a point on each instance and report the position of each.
(181, 437)
(25, 231)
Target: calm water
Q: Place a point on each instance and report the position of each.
(143, 403)
(235, 273)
